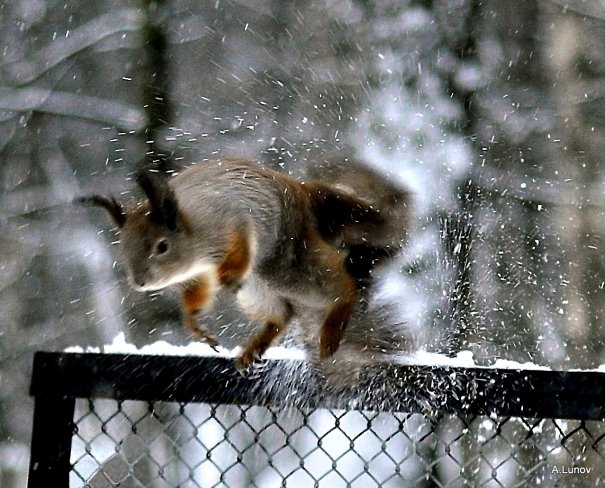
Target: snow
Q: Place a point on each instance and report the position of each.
(464, 359)
(163, 348)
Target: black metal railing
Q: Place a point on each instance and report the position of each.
(163, 421)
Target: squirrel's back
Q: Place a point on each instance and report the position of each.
(218, 194)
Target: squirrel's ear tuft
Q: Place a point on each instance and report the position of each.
(161, 198)
(113, 207)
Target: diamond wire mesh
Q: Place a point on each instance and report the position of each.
(162, 444)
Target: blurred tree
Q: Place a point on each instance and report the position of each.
(574, 66)
(471, 117)
(65, 119)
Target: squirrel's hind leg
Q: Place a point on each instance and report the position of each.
(335, 323)
(258, 344)
(263, 305)
(341, 293)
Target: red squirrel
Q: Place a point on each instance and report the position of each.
(280, 243)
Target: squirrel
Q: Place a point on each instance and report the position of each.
(281, 244)
(370, 246)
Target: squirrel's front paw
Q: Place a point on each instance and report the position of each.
(211, 341)
(199, 331)
(206, 337)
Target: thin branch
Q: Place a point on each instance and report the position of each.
(71, 105)
(594, 9)
(23, 72)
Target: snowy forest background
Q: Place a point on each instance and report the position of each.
(491, 112)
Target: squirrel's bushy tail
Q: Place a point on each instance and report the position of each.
(372, 237)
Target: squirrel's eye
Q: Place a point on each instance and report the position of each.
(162, 246)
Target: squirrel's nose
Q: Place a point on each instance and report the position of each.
(137, 282)
(142, 279)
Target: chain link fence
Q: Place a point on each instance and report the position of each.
(248, 441)
(193, 445)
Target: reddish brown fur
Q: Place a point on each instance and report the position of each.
(339, 314)
(339, 285)
(195, 297)
(237, 259)
(330, 261)
(337, 212)
(259, 343)
(334, 326)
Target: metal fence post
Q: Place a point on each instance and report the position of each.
(51, 442)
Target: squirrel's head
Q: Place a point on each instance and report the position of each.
(154, 236)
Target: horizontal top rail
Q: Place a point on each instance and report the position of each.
(406, 388)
